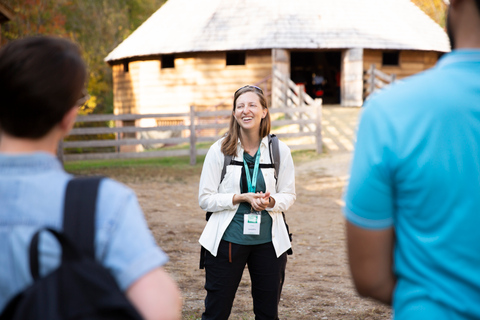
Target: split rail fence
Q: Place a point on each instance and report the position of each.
(192, 133)
(376, 79)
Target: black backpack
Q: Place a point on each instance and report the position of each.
(274, 163)
(80, 288)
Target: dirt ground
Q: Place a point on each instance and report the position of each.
(317, 284)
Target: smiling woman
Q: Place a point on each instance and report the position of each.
(249, 114)
(246, 225)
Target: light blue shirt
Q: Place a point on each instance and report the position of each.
(32, 189)
(416, 168)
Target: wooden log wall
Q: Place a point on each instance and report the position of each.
(410, 62)
(200, 79)
(124, 100)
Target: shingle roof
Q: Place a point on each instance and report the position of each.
(224, 25)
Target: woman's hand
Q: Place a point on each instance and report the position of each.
(258, 201)
(263, 201)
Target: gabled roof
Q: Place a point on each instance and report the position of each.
(224, 25)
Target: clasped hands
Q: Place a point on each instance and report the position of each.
(259, 201)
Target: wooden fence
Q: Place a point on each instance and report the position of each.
(376, 79)
(198, 122)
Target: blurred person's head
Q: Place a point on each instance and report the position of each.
(452, 25)
(41, 79)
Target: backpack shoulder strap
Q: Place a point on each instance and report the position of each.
(274, 157)
(226, 161)
(274, 152)
(79, 212)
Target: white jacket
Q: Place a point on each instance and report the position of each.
(217, 197)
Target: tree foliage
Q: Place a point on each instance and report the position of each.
(98, 26)
(435, 9)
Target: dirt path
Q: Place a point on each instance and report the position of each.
(317, 284)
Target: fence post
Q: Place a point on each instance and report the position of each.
(60, 151)
(193, 137)
(301, 98)
(284, 90)
(318, 125)
(372, 78)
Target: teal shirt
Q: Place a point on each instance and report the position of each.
(416, 169)
(234, 232)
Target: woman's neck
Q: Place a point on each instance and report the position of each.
(250, 143)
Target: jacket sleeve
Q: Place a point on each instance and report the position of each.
(209, 198)
(285, 194)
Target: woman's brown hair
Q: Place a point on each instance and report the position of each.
(229, 144)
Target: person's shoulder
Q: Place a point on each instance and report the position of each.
(115, 203)
(218, 143)
(409, 88)
(110, 183)
(216, 147)
(112, 189)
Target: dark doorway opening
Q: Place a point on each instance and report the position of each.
(319, 72)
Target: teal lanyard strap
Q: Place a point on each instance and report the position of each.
(252, 181)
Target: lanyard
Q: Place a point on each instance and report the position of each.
(252, 181)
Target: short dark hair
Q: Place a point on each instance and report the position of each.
(41, 78)
(477, 2)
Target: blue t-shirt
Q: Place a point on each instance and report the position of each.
(416, 168)
(32, 188)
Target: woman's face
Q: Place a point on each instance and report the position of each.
(249, 112)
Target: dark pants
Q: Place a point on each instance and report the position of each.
(224, 272)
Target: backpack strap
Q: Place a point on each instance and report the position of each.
(78, 220)
(274, 152)
(226, 161)
(79, 212)
(274, 158)
(69, 250)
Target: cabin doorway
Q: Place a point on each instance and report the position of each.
(319, 72)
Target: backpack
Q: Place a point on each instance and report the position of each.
(274, 163)
(80, 288)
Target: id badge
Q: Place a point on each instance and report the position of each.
(251, 223)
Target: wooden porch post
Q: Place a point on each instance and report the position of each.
(352, 78)
(281, 63)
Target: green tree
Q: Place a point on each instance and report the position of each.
(98, 26)
(34, 17)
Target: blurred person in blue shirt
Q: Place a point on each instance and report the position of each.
(41, 88)
(413, 201)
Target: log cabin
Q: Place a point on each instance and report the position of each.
(199, 52)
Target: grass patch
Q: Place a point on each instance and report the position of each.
(170, 165)
(185, 146)
(166, 162)
(306, 155)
